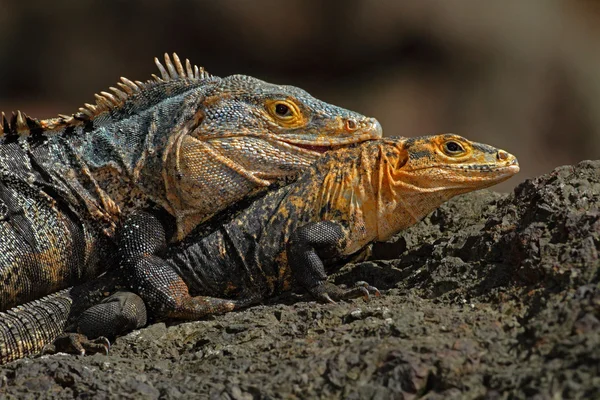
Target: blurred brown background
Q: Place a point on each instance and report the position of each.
(521, 75)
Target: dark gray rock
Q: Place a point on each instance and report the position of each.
(491, 296)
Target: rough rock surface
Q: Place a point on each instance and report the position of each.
(491, 296)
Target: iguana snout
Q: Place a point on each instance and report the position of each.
(435, 169)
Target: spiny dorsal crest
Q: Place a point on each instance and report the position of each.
(19, 125)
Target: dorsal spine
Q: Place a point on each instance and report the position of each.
(21, 126)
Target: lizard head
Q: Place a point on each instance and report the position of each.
(246, 135)
(270, 132)
(243, 106)
(427, 171)
(388, 185)
(449, 163)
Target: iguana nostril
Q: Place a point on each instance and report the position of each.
(351, 125)
(502, 155)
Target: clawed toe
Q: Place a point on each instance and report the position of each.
(361, 289)
(370, 289)
(75, 343)
(330, 293)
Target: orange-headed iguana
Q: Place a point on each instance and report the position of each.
(295, 235)
(186, 143)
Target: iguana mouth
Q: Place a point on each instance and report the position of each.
(322, 148)
(316, 148)
(512, 166)
(372, 131)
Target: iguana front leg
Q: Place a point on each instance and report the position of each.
(307, 248)
(141, 241)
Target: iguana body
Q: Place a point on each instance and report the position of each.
(348, 199)
(188, 143)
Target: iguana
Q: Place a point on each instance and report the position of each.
(188, 143)
(298, 233)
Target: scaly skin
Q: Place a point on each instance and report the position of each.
(187, 143)
(299, 233)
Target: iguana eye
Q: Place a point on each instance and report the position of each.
(282, 110)
(453, 148)
(285, 113)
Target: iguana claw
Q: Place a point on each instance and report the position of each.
(76, 343)
(329, 293)
(369, 289)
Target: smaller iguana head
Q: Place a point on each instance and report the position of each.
(430, 170)
(388, 185)
(451, 164)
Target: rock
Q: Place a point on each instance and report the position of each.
(491, 296)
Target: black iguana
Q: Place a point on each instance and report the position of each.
(299, 233)
(186, 142)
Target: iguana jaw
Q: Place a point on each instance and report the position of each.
(484, 175)
(311, 147)
(315, 149)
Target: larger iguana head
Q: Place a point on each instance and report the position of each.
(247, 134)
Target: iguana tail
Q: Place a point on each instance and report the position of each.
(26, 329)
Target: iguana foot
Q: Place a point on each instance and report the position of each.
(117, 314)
(330, 293)
(76, 343)
(195, 307)
(308, 246)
